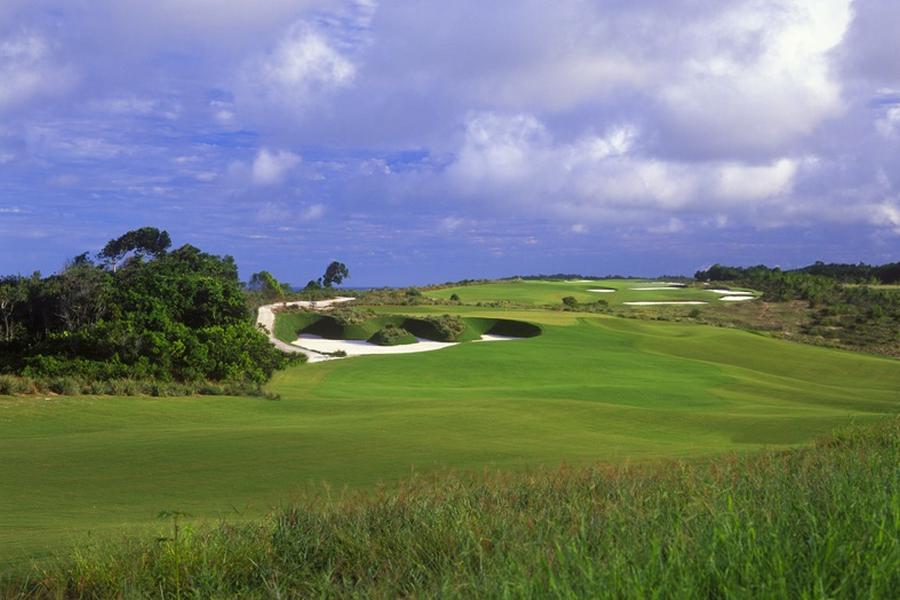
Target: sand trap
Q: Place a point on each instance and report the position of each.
(602, 290)
(731, 292)
(581, 281)
(660, 303)
(669, 283)
(314, 345)
(489, 337)
(653, 288)
(736, 298)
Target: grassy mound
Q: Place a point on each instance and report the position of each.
(813, 522)
(356, 324)
(391, 335)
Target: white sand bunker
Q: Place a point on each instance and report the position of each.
(660, 303)
(736, 298)
(654, 288)
(317, 347)
(581, 281)
(602, 290)
(730, 292)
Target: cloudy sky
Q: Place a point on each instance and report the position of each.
(426, 140)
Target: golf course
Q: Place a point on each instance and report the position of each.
(589, 389)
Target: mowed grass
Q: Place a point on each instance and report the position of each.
(590, 389)
(551, 292)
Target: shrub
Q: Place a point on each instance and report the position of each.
(64, 386)
(454, 297)
(392, 335)
(570, 301)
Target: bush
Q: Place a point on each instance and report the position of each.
(570, 301)
(64, 386)
(454, 297)
(11, 386)
(392, 335)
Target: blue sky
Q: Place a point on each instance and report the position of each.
(424, 141)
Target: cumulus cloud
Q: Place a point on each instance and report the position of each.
(513, 159)
(271, 167)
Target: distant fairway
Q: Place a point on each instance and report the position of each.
(589, 389)
(546, 292)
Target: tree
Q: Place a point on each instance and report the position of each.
(335, 273)
(266, 283)
(13, 292)
(143, 241)
(570, 301)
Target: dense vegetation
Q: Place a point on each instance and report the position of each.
(160, 315)
(812, 522)
(861, 317)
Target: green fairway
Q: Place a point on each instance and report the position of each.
(588, 389)
(551, 292)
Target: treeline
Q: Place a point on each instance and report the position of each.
(863, 274)
(138, 311)
(856, 316)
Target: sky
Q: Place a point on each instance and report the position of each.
(423, 141)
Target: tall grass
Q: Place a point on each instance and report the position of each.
(816, 522)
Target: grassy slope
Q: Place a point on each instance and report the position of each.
(534, 292)
(606, 390)
(817, 522)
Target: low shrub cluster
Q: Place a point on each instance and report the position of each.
(816, 522)
(392, 335)
(11, 385)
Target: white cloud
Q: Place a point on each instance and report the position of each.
(513, 160)
(271, 167)
(775, 86)
(889, 124)
(27, 70)
(303, 66)
(312, 212)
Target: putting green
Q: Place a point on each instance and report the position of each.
(551, 292)
(590, 388)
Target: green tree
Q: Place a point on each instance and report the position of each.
(13, 292)
(144, 241)
(336, 272)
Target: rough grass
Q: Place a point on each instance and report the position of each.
(818, 522)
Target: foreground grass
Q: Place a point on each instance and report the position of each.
(815, 522)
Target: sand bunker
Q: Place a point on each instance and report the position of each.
(265, 319)
(730, 292)
(602, 290)
(659, 303)
(581, 281)
(316, 346)
(653, 288)
(736, 298)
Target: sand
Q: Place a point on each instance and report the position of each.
(730, 292)
(602, 290)
(653, 288)
(736, 298)
(660, 303)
